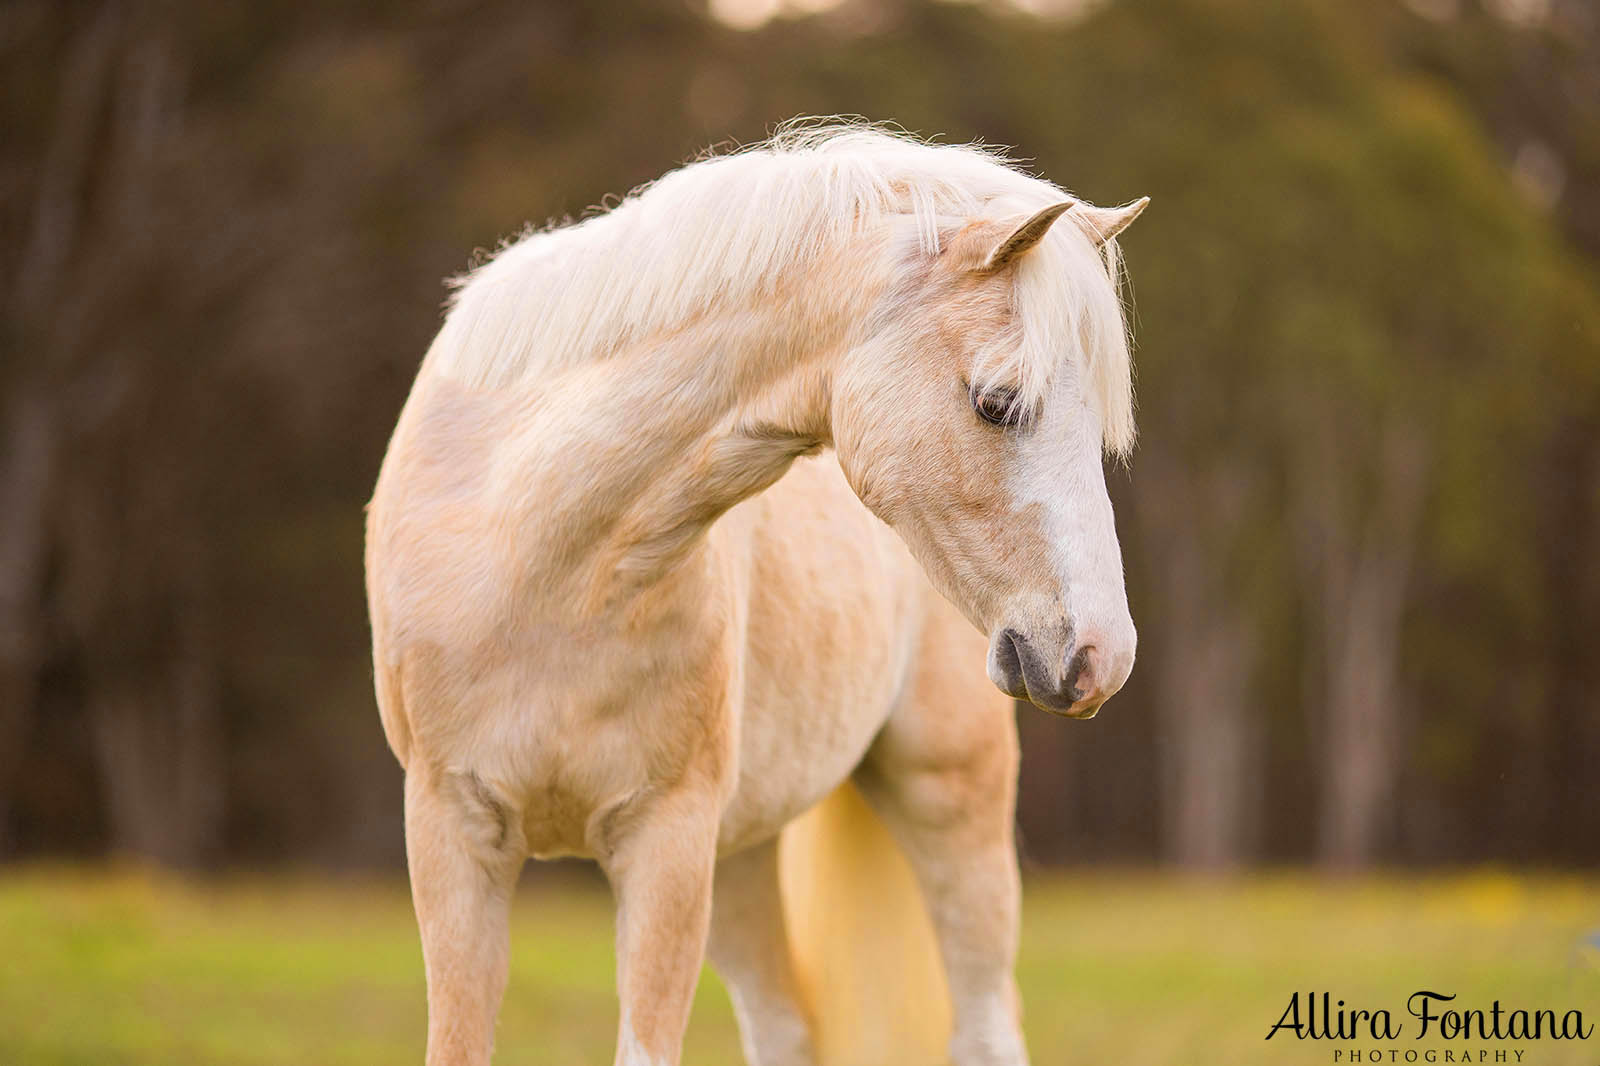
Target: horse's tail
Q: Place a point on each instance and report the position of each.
(864, 952)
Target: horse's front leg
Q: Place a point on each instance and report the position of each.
(464, 846)
(943, 777)
(960, 846)
(660, 859)
(750, 949)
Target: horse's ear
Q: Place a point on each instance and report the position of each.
(1104, 223)
(1026, 233)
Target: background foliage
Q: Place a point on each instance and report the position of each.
(1361, 526)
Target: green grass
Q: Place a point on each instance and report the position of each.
(127, 968)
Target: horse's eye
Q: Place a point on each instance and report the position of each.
(998, 407)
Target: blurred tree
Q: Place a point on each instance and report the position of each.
(1359, 529)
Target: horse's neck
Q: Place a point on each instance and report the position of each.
(638, 454)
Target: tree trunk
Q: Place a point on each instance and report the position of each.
(26, 460)
(1568, 824)
(1362, 606)
(159, 745)
(1208, 737)
(1208, 744)
(31, 432)
(1361, 746)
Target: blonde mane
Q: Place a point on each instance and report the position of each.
(725, 229)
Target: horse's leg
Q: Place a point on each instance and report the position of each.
(954, 823)
(943, 777)
(750, 949)
(660, 861)
(464, 848)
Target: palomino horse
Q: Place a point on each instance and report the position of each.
(604, 627)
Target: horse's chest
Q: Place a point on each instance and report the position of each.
(789, 758)
(824, 660)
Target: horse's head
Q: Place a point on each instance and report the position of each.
(973, 422)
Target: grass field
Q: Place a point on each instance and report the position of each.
(108, 969)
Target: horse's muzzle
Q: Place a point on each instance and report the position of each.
(1074, 685)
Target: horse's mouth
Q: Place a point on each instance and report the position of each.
(1076, 711)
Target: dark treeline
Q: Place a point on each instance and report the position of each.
(1361, 526)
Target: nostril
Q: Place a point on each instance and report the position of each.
(1005, 663)
(1080, 679)
(1006, 653)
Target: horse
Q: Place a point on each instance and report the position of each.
(702, 514)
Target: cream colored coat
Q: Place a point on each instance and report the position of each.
(613, 617)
